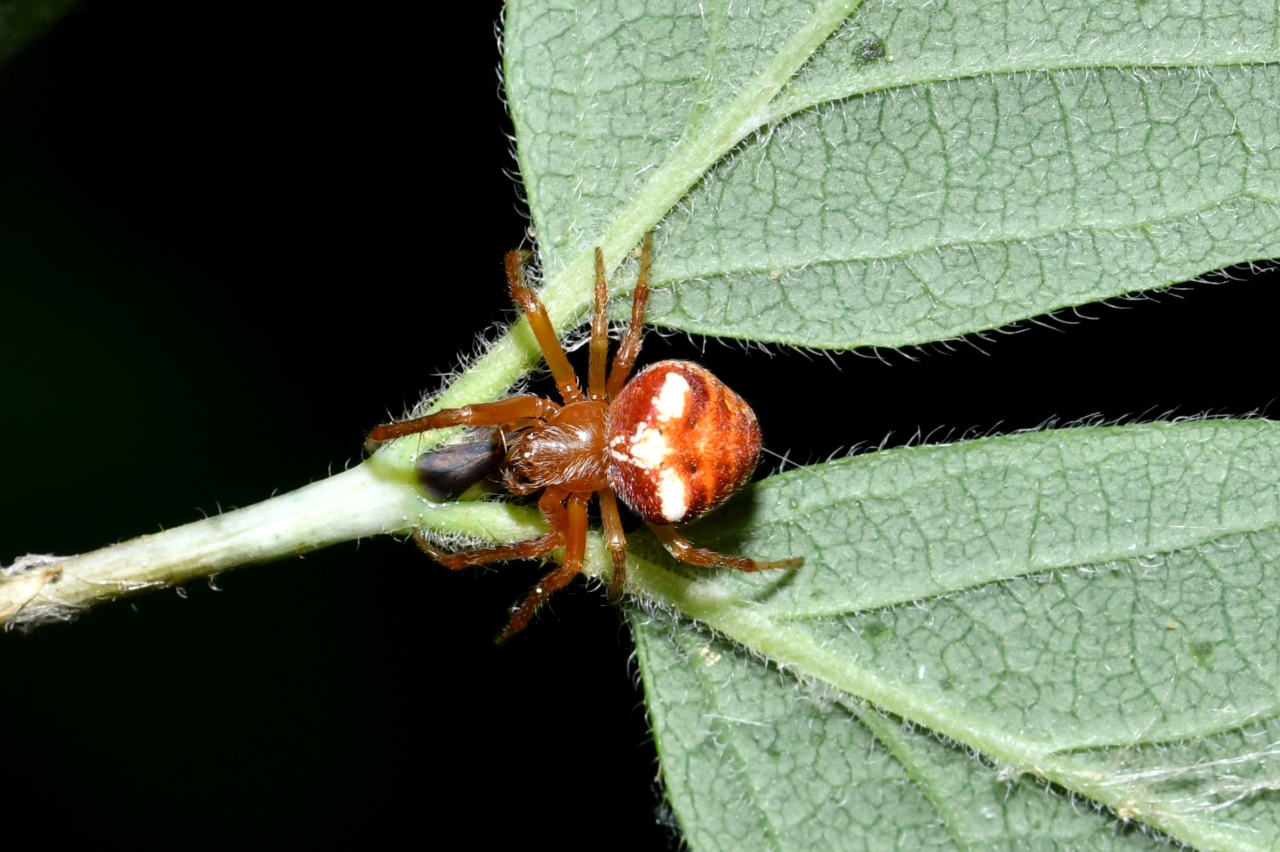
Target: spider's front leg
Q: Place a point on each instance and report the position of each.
(543, 331)
(615, 539)
(625, 358)
(481, 414)
(551, 504)
(682, 549)
(575, 548)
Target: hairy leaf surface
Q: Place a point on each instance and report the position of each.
(1062, 638)
(1098, 608)
(930, 171)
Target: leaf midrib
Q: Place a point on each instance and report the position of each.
(1044, 761)
(785, 106)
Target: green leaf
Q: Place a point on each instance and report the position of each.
(1096, 608)
(753, 762)
(1079, 615)
(933, 170)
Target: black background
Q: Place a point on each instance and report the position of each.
(222, 235)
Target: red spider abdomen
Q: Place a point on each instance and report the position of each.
(680, 443)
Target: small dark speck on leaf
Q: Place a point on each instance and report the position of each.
(870, 49)
(1202, 652)
(874, 630)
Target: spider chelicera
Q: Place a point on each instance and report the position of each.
(672, 443)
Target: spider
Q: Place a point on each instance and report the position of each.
(672, 443)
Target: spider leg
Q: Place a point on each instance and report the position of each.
(529, 549)
(552, 508)
(625, 358)
(680, 547)
(543, 331)
(481, 414)
(614, 537)
(575, 547)
(599, 334)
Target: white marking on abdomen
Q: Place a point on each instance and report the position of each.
(673, 495)
(671, 398)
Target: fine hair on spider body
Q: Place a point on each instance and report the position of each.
(672, 443)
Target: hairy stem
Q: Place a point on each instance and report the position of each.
(377, 497)
(366, 500)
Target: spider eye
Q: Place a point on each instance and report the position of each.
(680, 443)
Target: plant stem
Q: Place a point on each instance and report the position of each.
(378, 497)
(356, 503)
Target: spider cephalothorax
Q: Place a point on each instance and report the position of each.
(673, 443)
